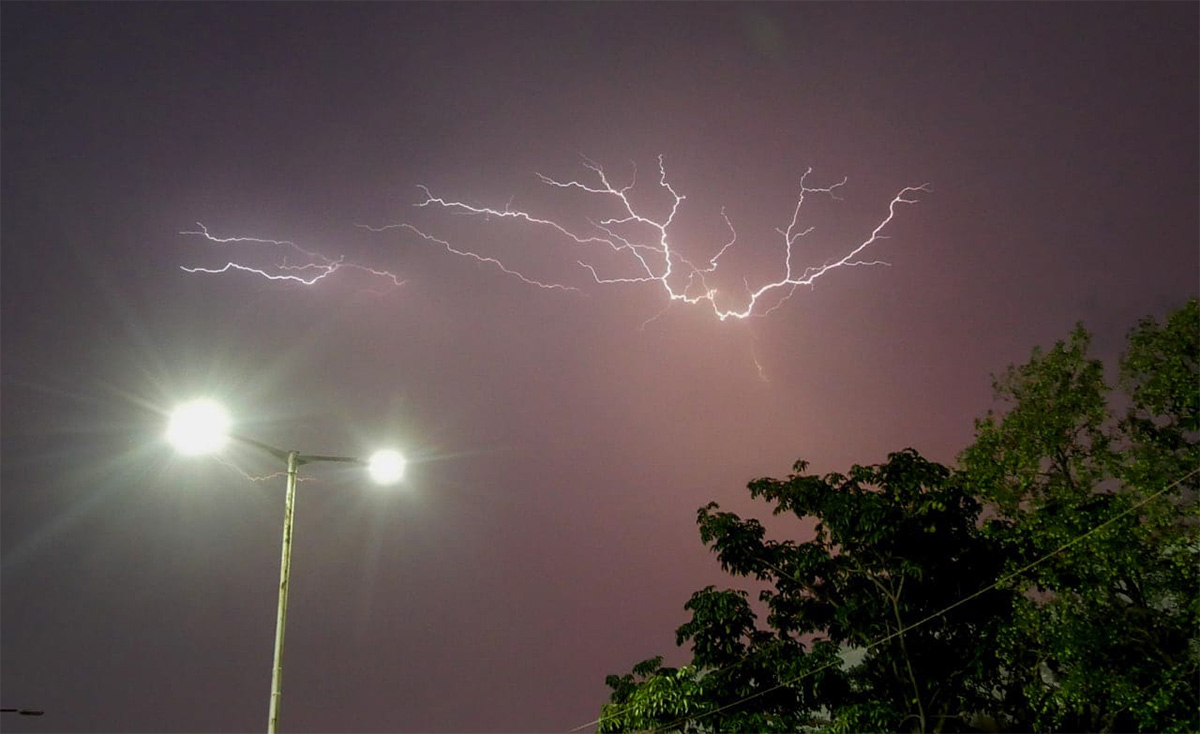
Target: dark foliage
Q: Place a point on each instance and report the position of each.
(1049, 583)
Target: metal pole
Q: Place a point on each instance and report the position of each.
(293, 464)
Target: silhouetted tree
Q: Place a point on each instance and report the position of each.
(1050, 583)
(1104, 631)
(895, 544)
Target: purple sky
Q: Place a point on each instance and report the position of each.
(546, 535)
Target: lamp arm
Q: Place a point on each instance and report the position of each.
(282, 455)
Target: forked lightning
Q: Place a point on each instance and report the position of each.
(651, 259)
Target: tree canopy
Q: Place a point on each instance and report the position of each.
(1048, 582)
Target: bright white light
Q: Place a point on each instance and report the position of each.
(386, 467)
(198, 427)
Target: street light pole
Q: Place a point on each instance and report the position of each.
(200, 427)
(294, 459)
(285, 565)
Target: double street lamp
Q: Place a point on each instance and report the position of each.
(202, 427)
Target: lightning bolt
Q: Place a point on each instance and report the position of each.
(762, 373)
(656, 259)
(466, 253)
(643, 242)
(313, 266)
(256, 477)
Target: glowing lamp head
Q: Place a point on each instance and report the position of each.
(386, 467)
(198, 427)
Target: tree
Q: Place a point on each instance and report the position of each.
(1104, 629)
(1160, 374)
(895, 544)
(1051, 582)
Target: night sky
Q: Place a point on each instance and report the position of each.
(545, 536)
